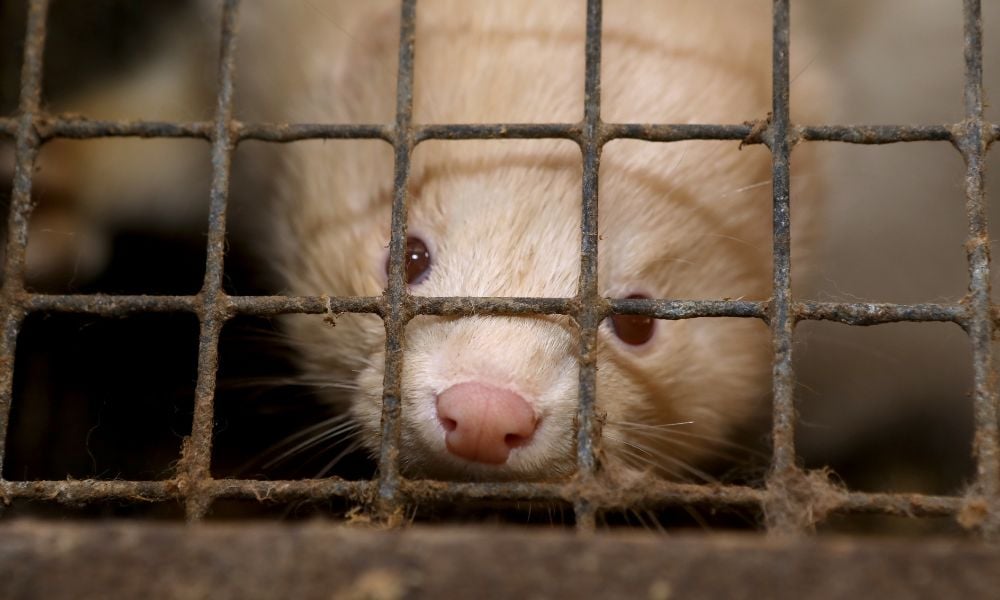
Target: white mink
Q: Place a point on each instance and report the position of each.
(685, 220)
(502, 218)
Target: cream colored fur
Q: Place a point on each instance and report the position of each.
(689, 220)
(686, 220)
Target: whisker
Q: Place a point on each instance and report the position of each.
(698, 519)
(670, 437)
(636, 458)
(683, 261)
(304, 432)
(647, 520)
(733, 238)
(323, 436)
(648, 459)
(633, 425)
(687, 444)
(654, 453)
(746, 188)
(353, 446)
(667, 431)
(290, 381)
(336, 423)
(638, 517)
(656, 521)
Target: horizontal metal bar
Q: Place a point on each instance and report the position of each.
(85, 491)
(294, 132)
(66, 126)
(675, 133)
(653, 494)
(289, 491)
(80, 128)
(876, 134)
(689, 309)
(872, 313)
(109, 305)
(900, 505)
(850, 313)
(458, 306)
(571, 131)
(280, 305)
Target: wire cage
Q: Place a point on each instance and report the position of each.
(792, 498)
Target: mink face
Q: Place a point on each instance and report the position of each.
(490, 397)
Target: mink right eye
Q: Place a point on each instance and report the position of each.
(418, 260)
(634, 330)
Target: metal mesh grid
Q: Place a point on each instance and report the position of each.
(792, 499)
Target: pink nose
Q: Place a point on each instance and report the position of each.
(484, 423)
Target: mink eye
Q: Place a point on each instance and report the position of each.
(418, 260)
(634, 330)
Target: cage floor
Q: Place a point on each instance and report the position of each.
(322, 560)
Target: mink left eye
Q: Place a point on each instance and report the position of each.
(418, 260)
(634, 330)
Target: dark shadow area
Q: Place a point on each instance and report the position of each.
(101, 398)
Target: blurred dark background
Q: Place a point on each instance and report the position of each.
(112, 398)
(86, 40)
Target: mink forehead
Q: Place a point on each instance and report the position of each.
(500, 226)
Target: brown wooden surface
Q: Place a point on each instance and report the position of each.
(320, 560)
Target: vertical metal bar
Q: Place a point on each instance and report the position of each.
(198, 451)
(588, 318)
(980, 325)
(397, 314)
(25, 153)
(783, 425)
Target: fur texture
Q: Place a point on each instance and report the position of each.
(685, 220)
(502, 218)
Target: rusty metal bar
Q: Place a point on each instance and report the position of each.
(284, 305)
(570, 131)
(864, 314)
(84, 491)
(197, 456)
(294, 132)
(782, 515)
(677, 133)
(25, 153)
(396, 313)
(75, 127)
(980, 326)
(109, 305)
(849, 313)
(857, 314)
(877, 134)
(81, 129)
(651, 495)
(589, 317)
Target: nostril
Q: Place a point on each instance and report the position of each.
(514, 440)
(448, 424)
